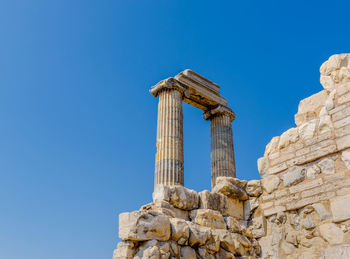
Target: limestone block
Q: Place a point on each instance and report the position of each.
(307, 222)
(345, 156)
(325, 124)
(213, 243)
(148, 250)
(313, 171)
(337, 252)
(187, 253)
(334, 71)
(125, 250)
(227, 239)
(294, 175)
(208, 218)
(327, 166)
(272, 146)
(322, 212)
(234, 208)
(178, 196)
(180, 230)
(198, 234)
(331, 233)
(166, 208)
(263, 166)
(288, 248)
(288, 137)
(213, 201)
(223, 254)
(234, 225)
(307, 130)
(340, 208)
(254, 188)
(249, 207)
(258, 227)
(230, 187)
(270, 183)
(144, 225)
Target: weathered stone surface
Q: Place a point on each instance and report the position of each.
(313, 171)
(148, 250)
(187, 253)
(272, 146)
(166, 208)
(227, 239)
(334, 71)
(307, 222)
(234, 208)
(263, 166)
(294, 175)
(177, 196)
(254, 188)
(340, 208)
(249, 207)
(327, 166)
(258, 227)
(331, 233)
(125, 250)
(234, 225)
(345, 156)
(198, 234)
(213, 201)
(228, 186)
(144, 225)
(307, 130)
(270, 183)
(288, 137)
(208, 218)
(180, 230)
(223, 254)
(337, 252)
(322, 212)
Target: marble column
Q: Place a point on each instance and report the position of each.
(222, 152)
(169, 165)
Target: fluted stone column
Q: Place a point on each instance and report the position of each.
(169, 166)
(222, 152)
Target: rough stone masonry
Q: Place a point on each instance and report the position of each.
(299, 209)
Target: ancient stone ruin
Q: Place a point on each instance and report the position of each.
(299, 209)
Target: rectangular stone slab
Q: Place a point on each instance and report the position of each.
(203, 93)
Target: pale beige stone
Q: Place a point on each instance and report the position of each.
(272, 146)
(148, 250)
(331, 233)
(322, 212)
(228, 186)
(258, 227)
(340, 208)
(208, 218)
(180, 230)
(254, 188)
(288, 137)
(270, 183)
(227, 240)
(337, 252)
(345, 156)
(187, 253)
(294, 175)
(125, 250)
(313, 171)
(308, 129)
(198, 234)
(144, 225)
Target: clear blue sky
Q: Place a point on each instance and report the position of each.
(78, 126)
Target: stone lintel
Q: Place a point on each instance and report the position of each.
(219, 110)
(169, 83)
(202, 92)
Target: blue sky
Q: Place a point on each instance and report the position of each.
(78, 126)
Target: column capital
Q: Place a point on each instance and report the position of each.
(169, 83)
(219, 110)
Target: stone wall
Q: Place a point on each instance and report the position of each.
(306, 177)
(299, 209)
